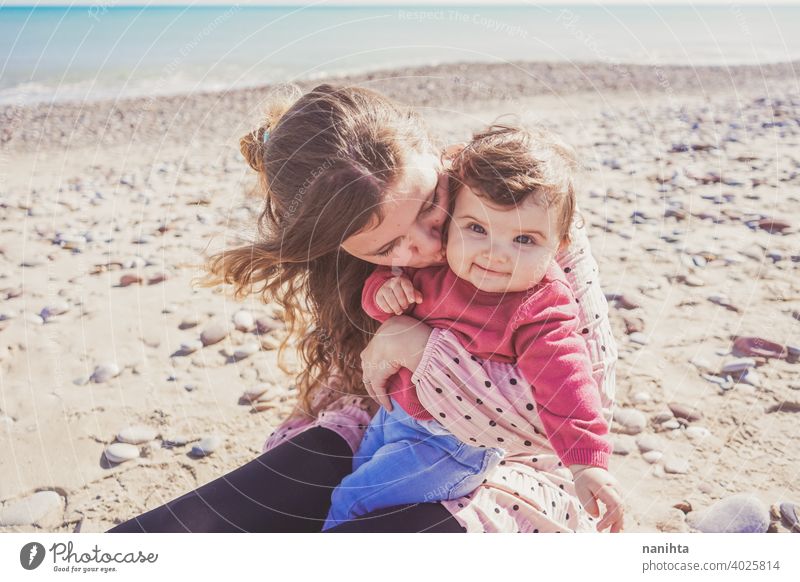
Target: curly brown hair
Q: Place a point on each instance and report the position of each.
(508, 163)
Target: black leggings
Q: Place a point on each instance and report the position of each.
(286, 489)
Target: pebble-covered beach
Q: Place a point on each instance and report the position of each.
(123, 385)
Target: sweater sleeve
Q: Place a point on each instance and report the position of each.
(554, 359)
(371, 286)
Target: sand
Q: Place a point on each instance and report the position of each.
(685, 169)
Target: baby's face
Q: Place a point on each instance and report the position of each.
(497, 249)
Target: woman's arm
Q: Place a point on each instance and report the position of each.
(400, 342)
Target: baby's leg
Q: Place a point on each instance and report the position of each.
(408, 471)
(374, 439)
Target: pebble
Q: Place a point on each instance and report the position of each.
(189, 322)
(630, 420)
(693, 281)
(741, 513)
(701, 363)
(34, 318)
(745, 346)
(244, 321)
(676, 466)
(697, 433)
(214, 333)
(58, 307)
(633, 324)
(191, 346)
(750, 377)
(30, 510)
(246, 350)
(127, 280)
(641, 398)
(773, 225)
(620, 447)
(652, 457)
(265, 324)
(269, 342)
(685, 411)
(121, 452)
(256, 392)
(157, 278)
(724, 383)
(105, 372)
(137, 434)
(737, 365)
(671, 424)
(638, 338)
(649, 442)
(788, 514)
(206, 446)
(176, 441)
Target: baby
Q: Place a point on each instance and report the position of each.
(505, 297)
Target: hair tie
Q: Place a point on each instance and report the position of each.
(265, 136)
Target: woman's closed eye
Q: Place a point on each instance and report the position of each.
(433, 203)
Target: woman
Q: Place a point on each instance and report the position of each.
(352, 180)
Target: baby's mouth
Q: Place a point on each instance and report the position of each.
(488, 271)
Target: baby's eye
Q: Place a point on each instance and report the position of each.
(476, 228)
(524, 239)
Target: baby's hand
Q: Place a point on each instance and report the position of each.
(593, 484)
(396, 295)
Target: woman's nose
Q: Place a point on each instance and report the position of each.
(427, 239)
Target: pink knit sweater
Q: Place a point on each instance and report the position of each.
(536, 329)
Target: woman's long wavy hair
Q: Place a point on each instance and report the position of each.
(324, 160)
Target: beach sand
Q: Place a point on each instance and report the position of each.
(108, 210)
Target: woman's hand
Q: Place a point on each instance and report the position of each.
(398, 343)
(593, 484)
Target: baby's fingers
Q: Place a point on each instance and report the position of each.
(390, 302)
(408, 289)
(614, 509)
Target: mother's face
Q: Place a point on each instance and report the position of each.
(415, 209)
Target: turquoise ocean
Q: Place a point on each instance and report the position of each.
(101, 51)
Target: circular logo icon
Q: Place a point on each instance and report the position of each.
(31, 555)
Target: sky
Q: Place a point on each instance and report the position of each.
(111, 3)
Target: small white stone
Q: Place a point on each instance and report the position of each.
(137, 434)
(738, 365)
(701, 363)
(652, 457)
(676, 466)
(649, 442)
(641, 398)
(34, 319)
(697, 433)
(671, 424)
(57, 307)
(244, 320)
(121, 452)
(214, 333)
(105, 372)
(630, 420)
(30, 510)
(191, 346)
(206, 446)
(246, 350)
